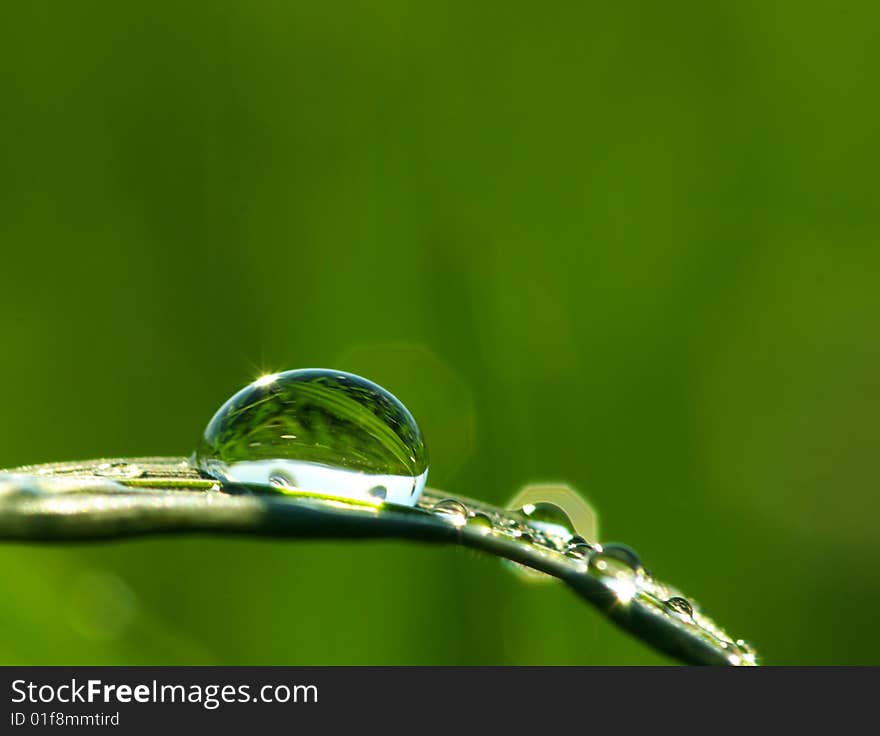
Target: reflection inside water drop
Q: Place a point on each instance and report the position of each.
(680, 606)
(481, 522)
(318, 431)
(549, 518)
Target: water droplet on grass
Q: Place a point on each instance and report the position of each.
(623, 554)
(481, 521)
(548, 518)
(452, 510)
(317, 431)
(556, 512)
(619, 567)
(681, 606)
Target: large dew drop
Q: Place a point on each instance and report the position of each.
(317, 431)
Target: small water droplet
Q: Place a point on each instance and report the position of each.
(565, 512)
(548, 518)
(451, 509)
(378, 492)
(618, 567)
(609, 566)
(481, 521)
(625, 554)
(681, 606)
(319, 431)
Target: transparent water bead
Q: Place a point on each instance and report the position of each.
(624, 554)
(481, 521)
(557, 511)
(317, 431)
(680, 606)
(550, 519)
(453, 510)
(619, 567)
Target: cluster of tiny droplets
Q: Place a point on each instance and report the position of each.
(616, 566)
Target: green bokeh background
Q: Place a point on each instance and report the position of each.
(630, 246)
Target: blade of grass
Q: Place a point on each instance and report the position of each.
(124, 498)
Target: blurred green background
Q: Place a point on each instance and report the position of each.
(629, 246)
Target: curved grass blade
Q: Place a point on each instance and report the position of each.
(115, 499)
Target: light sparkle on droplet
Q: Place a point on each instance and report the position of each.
(266, 379)
(625, 590)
